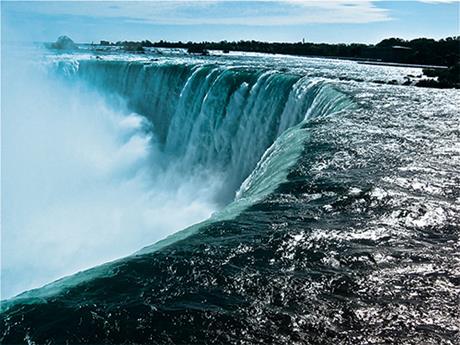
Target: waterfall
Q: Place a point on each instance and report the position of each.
(168, 144)
(212, 118)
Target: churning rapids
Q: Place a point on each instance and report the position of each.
(322, 207)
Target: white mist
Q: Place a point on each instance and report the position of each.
(81, 182)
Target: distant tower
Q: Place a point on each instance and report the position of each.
(303, 40)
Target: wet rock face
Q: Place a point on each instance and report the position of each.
(65, 43)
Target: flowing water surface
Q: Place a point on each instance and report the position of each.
(329, 202)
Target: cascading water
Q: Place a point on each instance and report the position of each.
(337, 204)
(201, 130)
(213, 119)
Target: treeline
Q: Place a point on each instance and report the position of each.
(424, 51)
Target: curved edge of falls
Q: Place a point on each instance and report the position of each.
(193, 92)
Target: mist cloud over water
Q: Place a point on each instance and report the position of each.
(82, 181)
(103, 158)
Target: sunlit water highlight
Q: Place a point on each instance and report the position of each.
(344, 228)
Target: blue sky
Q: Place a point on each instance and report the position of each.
(289, 20)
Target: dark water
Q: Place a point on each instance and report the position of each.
(360, 245)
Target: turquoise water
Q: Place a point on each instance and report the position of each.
(334, 204)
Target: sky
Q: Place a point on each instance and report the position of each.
(288, 20)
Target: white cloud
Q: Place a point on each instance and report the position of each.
(220, 12)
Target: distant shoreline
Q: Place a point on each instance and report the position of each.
(440, 60)
(424, 52)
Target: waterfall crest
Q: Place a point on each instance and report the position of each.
(211, 118)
